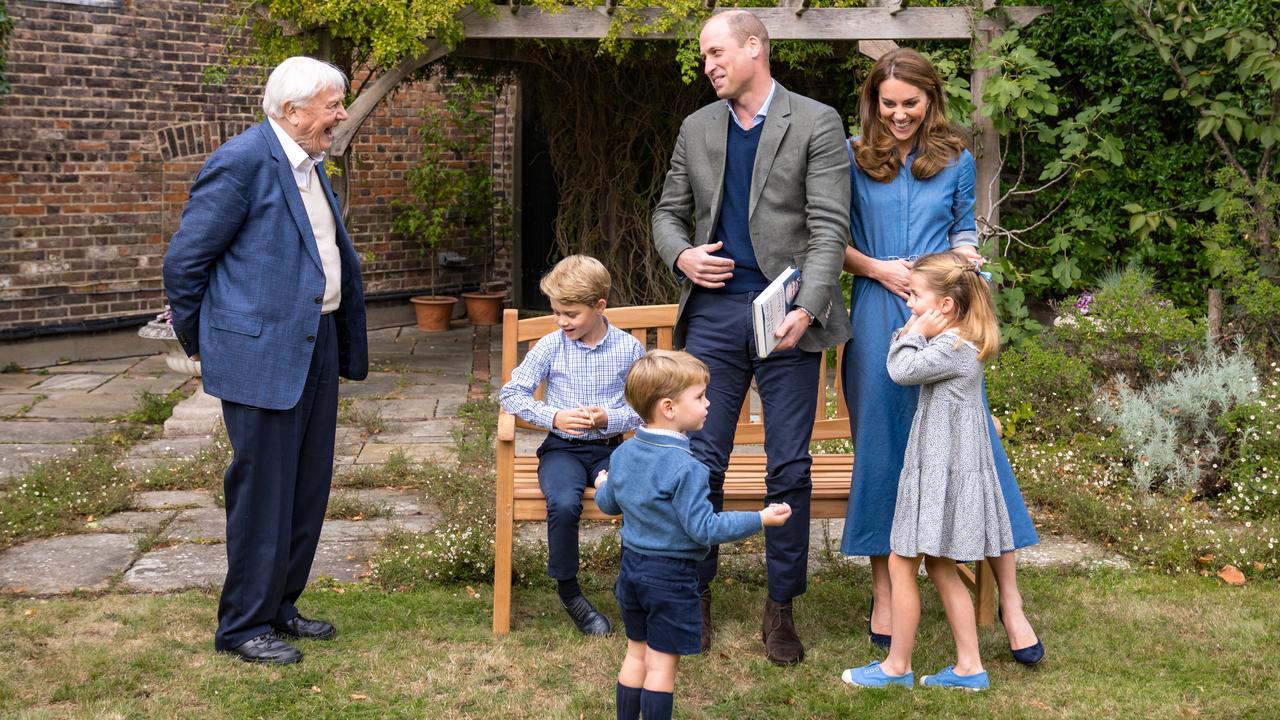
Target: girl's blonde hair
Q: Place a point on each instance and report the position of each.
(937, 145)
(950, 274)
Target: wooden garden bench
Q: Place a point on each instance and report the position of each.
(520, 498)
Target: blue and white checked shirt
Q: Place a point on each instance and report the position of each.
(576, 374)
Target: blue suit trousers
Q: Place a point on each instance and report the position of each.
(277, 488)
(720, 334)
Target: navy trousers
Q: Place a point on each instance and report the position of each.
(565, 468)
(277, 487)
(719, 333)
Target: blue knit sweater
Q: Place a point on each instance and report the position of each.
(661, 491)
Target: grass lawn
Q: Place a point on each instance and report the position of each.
(1120, 645)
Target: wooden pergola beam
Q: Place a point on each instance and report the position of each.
(879, 23)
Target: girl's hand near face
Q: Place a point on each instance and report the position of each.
(930, 323)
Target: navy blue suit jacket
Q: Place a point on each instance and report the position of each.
(244, 278)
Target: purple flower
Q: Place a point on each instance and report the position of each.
(165, 317)
(1083, 303)
(1164, 304)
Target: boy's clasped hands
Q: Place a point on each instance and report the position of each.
(577, 421)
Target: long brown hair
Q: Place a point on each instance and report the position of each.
(937, 145)
(950, 274)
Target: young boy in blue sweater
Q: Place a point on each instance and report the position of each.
(585, 365)
(661, 491)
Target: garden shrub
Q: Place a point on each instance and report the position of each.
(1125, 327)
(1039, 391)
(1083, 488)
(1168, 428)
(1251, 463)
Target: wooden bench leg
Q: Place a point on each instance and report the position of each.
(502, 542)
(984, 600)
(981, 581)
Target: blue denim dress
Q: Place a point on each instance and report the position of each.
(904, 218)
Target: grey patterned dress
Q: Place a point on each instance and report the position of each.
(949, 501)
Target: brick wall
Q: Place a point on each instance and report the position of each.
(107, 124)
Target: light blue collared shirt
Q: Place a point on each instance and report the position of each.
(760, 115)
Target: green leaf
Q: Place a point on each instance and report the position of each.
(1066, 272)
(1136, 221)
(1131, 207)
(1189, 48)
(1170, 94)
(1214, 33)
(1232, 49)
(1233, 127)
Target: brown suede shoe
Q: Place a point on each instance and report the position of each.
(704, 598)
(781, 644)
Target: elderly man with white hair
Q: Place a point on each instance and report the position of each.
(265, 288)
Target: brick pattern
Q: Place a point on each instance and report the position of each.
(108, 122)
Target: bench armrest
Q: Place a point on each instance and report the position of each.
(506, 426)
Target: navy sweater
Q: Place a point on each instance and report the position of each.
(733, 227)
(661, 491)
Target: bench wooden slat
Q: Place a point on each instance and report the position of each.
(520, 498)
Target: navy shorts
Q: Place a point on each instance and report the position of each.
(658, 598)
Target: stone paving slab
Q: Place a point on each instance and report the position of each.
(11, 382)
(346, 561)
(132, 386)
(41, 431)
(72, 381)
(347, 442)
(416, 452)
(159, 499)
(418, 431)
(182, 448)
(349, 530)
(178, 567)
(16, 459)
(401, 502)
(14, 403)
(50, 566)
(66, 406)
(150, 365)
(377, 385)
(104, 367)
(203, 524)
(399, 409)
(133, 521)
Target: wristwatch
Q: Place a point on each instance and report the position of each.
(812, 317)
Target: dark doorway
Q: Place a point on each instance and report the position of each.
(539, 198)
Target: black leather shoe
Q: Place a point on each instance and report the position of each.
(267, 648)
(589, 620)
(301, 627)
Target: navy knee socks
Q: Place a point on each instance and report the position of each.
(656, 705)
(628, 701)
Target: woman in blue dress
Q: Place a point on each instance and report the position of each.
(913, 194)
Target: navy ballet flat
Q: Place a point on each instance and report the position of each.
(1031, 655)
(877, 639)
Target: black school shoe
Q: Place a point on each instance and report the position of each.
(300, 627)
(589, 620)
(268, 649)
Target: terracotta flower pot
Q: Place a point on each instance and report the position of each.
(433, 311)
(484, 308)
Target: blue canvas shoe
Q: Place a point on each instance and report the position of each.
(947, 677)
(871, 676)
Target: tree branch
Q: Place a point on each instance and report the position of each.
(372, 95)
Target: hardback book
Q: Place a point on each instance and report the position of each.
(770, 308)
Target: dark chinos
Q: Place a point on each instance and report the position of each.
(565, 468)
(273, 528)
(720, 334)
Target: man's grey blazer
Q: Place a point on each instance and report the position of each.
(798, 211)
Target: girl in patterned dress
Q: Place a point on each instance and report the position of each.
(949, 506)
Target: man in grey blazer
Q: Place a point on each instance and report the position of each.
(759, 180)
